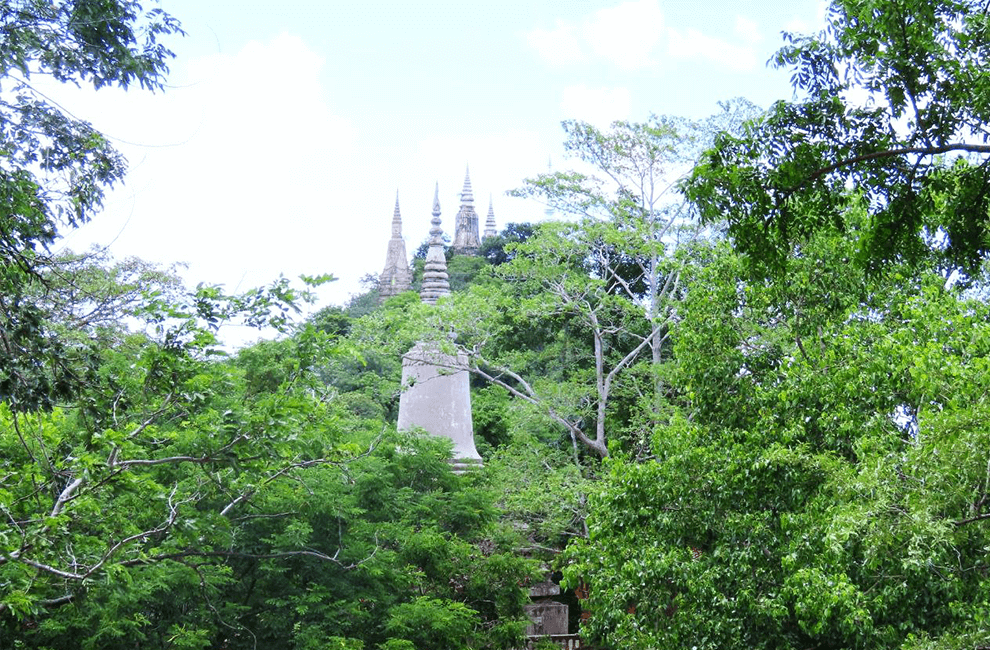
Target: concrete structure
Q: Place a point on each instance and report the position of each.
(547, 618)
(466, 239)
(436, 387)
(562, 641)
(436, 396)
(490, 229)
(436, 282)
(397, 276)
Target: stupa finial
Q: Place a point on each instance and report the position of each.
(396, 218)
(436, 282)
(490, 229)
(467, 196)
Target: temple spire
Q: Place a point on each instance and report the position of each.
(466, 239)
(467, 196)
(396, 218)
(397, 277)
(490, 229)
(435, 279)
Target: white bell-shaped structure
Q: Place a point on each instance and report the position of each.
(436, 396)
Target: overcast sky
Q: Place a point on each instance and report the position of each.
(288, 127)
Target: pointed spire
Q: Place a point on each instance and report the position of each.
(467, 197)
(396, 218)
(490, 229)
(436, 283)
(397, 277)
(466, 239)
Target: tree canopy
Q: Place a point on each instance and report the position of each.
(891, 113)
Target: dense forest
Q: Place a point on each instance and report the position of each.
(736, 397)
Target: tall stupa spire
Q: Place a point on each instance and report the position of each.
(396, 218)
(467, 197)
(435, 280)
(397, 277)
(466, 239)
(490, 229)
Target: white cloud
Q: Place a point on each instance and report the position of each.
(626, 35)
(599, 106)
(631, 34)
(808, 24)
(233, 167)
(748, 30)
(558, 46)
(692, 44)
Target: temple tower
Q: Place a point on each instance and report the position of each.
(397, 276)
(490, 229)
(435, 280)
(436, 387)
(466, 239)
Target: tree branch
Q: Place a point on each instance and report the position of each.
(985, 515)
(890, 153)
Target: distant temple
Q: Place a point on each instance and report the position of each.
(396, 278)
(466, 239)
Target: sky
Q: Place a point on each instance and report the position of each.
(287, 128)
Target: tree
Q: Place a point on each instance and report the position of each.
(494, 250)
(606, 286)
(824, 483)
(109, 435)
(56, 168)
(888, 115)
(547, 309)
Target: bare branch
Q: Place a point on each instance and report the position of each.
(65, 496)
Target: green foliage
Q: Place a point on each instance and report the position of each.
(57, 168)
(494, 249)
(156, 492)
(826, 483)
(542, 492)
(419, 556)
(913, 149)
(464, 270)
(432, 623)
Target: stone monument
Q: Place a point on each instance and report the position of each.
(436, 386)
(435, 280)
(466, 240)
(490, 229)
(397, 276)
